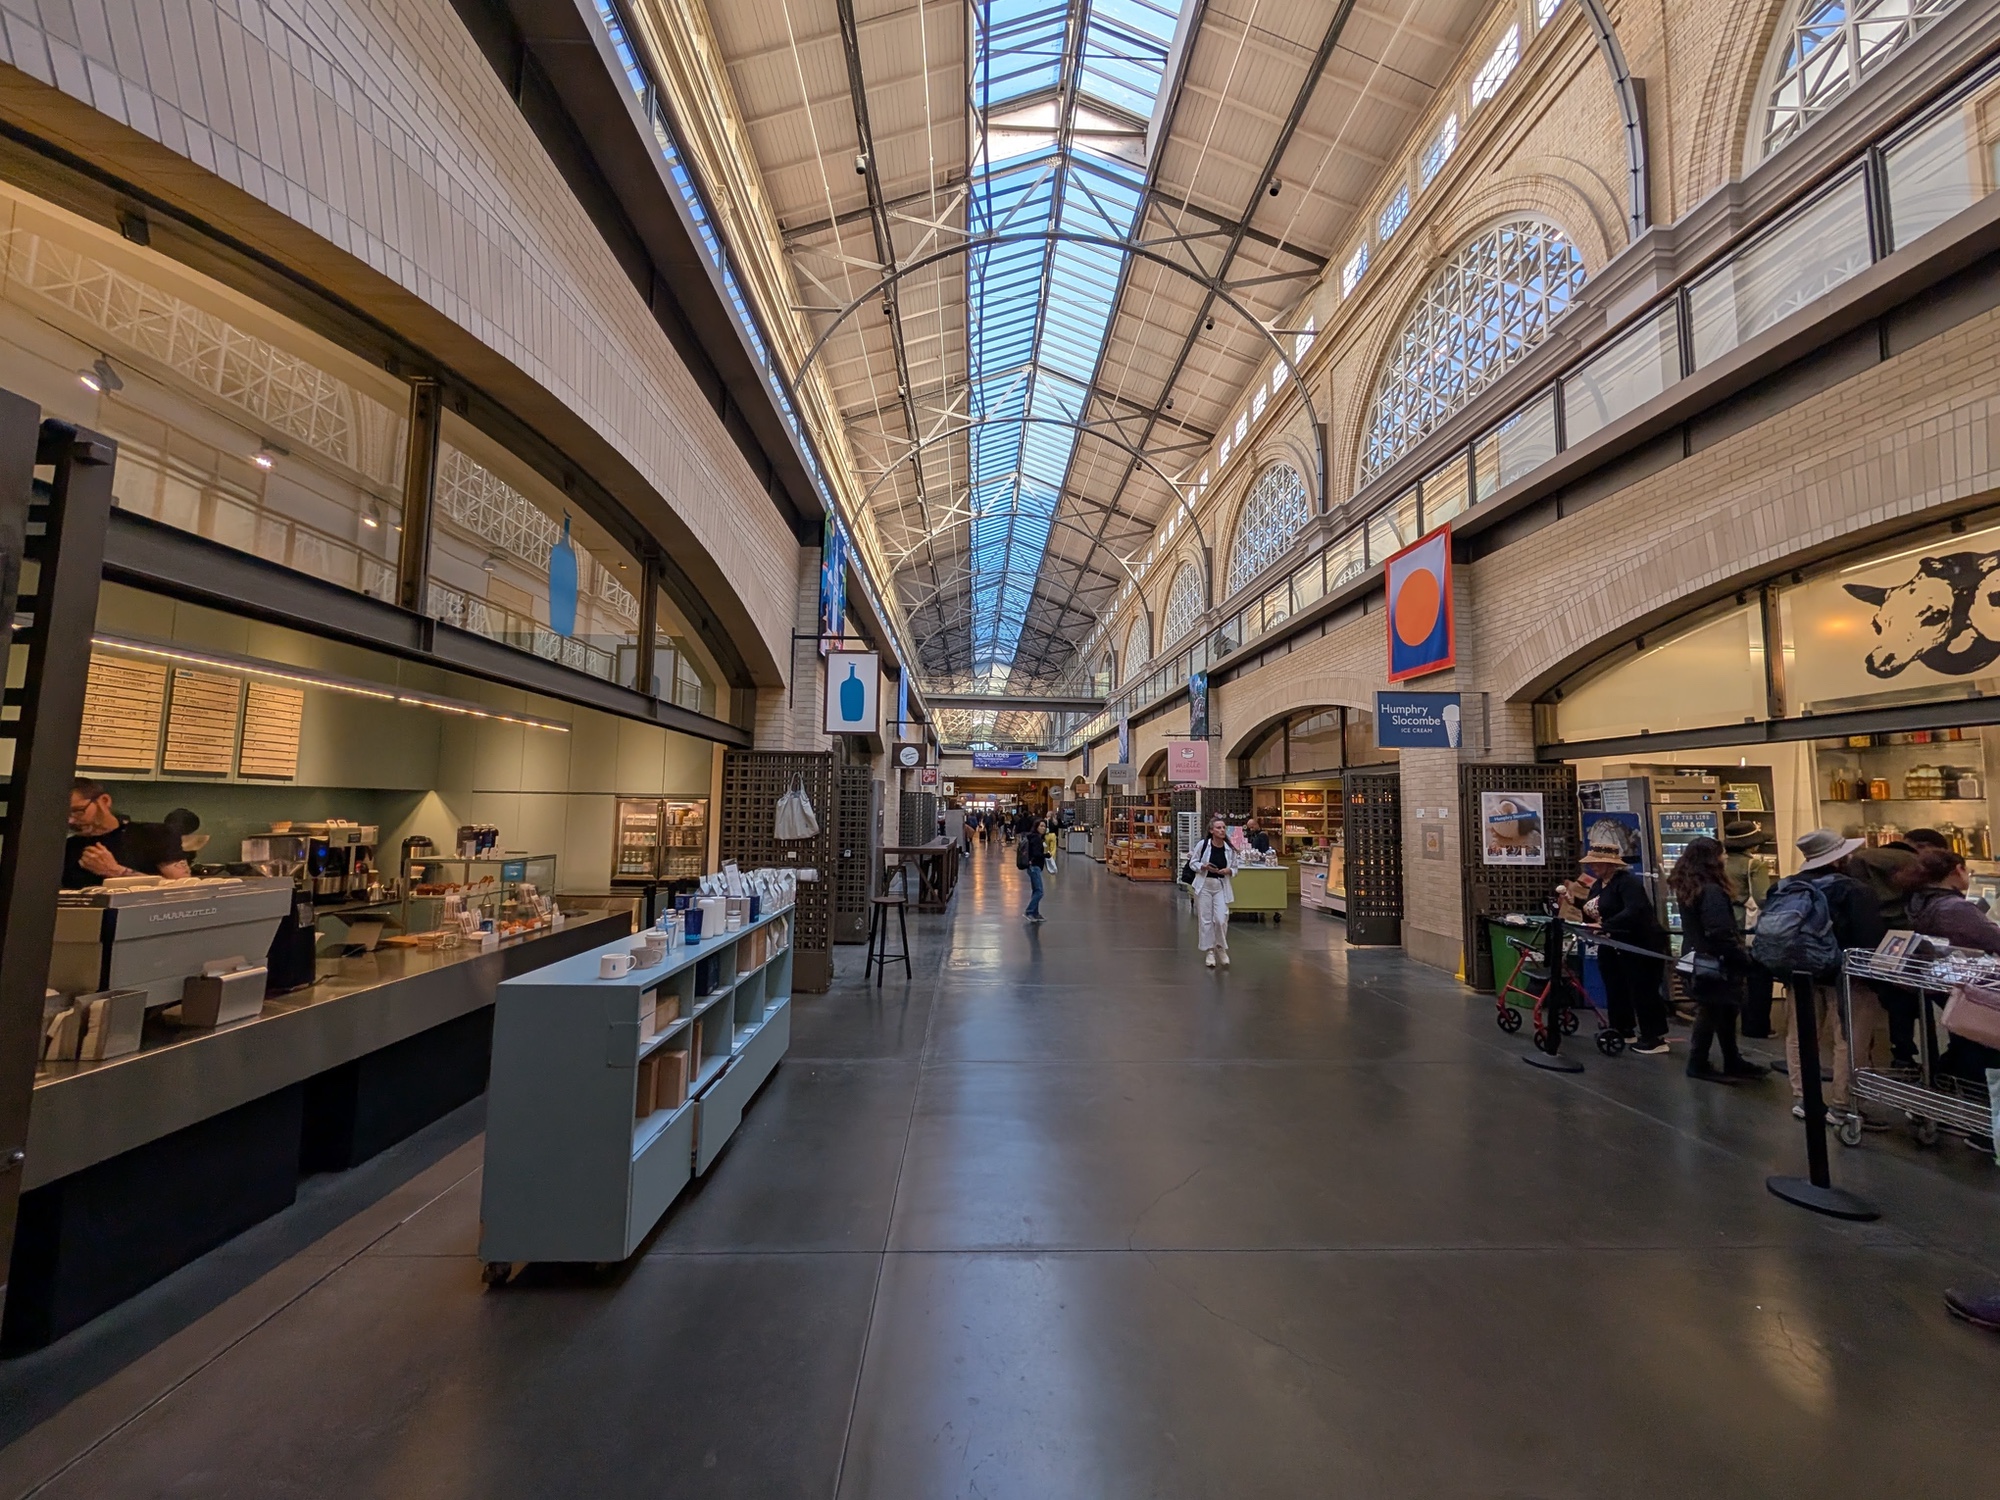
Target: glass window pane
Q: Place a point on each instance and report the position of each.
(1316, 742)
(1945, 167)
(1268, 759)
(1445, 492)
(1519, 445)
(1826, 47)
(1278, 606)
(1392, 529)
(1184, 604)
(1309, 583)
(1813, 252)
(1275, 512)
(512, 560)
(1703, 675)
(1624, 377)
(1361, 747)
(1346, 560)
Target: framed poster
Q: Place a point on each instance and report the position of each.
(1418, 585)
(1512, 828)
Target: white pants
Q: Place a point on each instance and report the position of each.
(1212, 907)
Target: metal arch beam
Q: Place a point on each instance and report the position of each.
(1103, 242)
(1632, 106)
(1087, 429)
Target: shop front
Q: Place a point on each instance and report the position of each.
(1294, 772)
(1861, 695)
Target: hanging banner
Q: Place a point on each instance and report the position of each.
(1005, 760)
(1125, 741)
(903, 703)
(1198, 706)
(1187, 762)
(832, 586)
(1418, 584)
(1086, 762)
(1423, 720)
(853, 692)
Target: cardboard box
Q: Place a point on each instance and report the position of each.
(645, 1096)
(649, 1012)
(673, 1078)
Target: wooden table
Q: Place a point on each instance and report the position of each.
(937, 870)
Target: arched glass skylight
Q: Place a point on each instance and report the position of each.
(1138, 648)
(1273, 515)
(1060, 129)
(1486, 307)
(1823, 48)
(1183, 605)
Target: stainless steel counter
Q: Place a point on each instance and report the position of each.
(87, 1112)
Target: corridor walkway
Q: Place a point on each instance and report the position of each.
(1066, 1216)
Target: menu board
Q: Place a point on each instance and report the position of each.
(271, 716)
(122, 704)
(201, 723)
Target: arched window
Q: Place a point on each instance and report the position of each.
(1275, 512)
(1138, 649)
(1183, 605)
(1823, 48)
(1487, 306)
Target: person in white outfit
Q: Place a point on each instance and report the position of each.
(1215, 860)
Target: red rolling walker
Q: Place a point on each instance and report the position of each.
(1551, 991)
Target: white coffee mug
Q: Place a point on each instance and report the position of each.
(614, 965)
(651, 954)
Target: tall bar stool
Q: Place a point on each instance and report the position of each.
(879, 956)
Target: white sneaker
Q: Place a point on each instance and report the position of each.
(1211, 958)
(1225, 958)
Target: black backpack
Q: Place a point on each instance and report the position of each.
(1021, 851)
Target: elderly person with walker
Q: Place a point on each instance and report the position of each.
(1213, 862)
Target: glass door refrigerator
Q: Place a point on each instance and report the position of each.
(658, 840)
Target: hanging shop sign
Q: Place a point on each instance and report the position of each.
(1005, 760)
(1512, 828)
(1187, 762)
(947, 787)
(1120, 774)
(832, 586)
(1418, 582)
(928, 776)
(853, 692)
(1417, 720)
(1198, 706)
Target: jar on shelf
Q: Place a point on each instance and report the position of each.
(1879, 789)
(1923, 783)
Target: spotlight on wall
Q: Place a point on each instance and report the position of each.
(267, 455)
(100, 377)
(492, 561)
(372, 517)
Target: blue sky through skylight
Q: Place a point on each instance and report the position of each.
(1039, 311)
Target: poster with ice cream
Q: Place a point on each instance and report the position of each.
(1512, 827)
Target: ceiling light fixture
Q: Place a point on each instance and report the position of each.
(372, 517)
(100, 377)
(267, 455)
(493, 560)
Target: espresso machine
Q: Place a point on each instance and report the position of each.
(333, 862)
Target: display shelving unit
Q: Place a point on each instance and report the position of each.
(1151, 852)
(578, 1166)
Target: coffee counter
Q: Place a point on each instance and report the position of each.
(150, 1159)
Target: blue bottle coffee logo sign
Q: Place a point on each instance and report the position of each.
(562, 585)
(853, 683)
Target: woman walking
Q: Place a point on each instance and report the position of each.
(1713, 950)
(1215, 860)
(1031, 853)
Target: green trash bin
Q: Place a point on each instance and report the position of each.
(1506, 958)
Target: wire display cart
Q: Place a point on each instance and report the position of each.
(1932, 1101)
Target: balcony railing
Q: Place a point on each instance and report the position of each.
(1903, 186)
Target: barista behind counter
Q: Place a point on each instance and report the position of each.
(104, 845)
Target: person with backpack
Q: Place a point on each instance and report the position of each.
(1031, 853)
(1939, 908)
(1623, 910)
(1852, 918)
(1712, 956)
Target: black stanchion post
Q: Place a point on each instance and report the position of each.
(1548, 1041)
(1816, 1190)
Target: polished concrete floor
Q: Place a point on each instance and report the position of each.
(1064, 1215)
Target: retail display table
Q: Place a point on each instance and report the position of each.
(1261, 889)
(610, 1093)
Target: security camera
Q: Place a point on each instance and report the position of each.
(861, 165)
(1275, 185)
(1208, 325)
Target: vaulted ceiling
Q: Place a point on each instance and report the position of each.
(1029, 231)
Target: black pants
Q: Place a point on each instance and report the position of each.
(1714, 1020)
(1757, 1004)
(1632, 993)
(1900, 1006)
